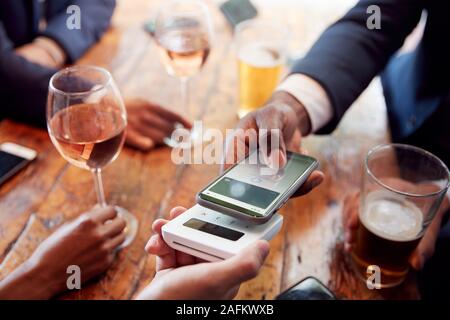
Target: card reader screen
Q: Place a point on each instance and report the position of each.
(213, 229)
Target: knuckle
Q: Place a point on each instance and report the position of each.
(96, 236)
(87, 223)
(250, 268)
(122, 227)
(122, 223)
(122, 239)
(272, 110)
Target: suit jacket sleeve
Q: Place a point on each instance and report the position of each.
(23, 85)
(348, 55)
(95, 19)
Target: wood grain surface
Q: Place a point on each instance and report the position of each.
(50, 191)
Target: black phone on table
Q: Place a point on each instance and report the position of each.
(236, 11)
(309, 288)
(13, 158)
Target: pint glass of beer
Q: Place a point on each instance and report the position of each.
(402, 189)
(261, 47)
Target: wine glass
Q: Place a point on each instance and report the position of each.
(183, 33)
(86, 121)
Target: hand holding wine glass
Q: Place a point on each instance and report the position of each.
(87, 120)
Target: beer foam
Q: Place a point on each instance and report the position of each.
(260, 55)
(392, 218)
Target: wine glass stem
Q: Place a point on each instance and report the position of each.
(97, 173)
(185, 95)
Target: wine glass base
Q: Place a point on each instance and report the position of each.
(130, 229)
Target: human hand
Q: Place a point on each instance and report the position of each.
(90, 242)
(43, 51)
(290, 121)
(425, 248)
(149, 124)
(182, 276)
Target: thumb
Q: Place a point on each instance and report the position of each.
(245, 265)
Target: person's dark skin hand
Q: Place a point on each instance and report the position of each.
(282, 112)
(149, 124)
(46, 53)
(425, 248)
(184, 277)
(90, 242)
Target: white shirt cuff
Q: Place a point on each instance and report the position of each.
(313, 97)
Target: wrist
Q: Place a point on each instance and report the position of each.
(52, 49)
(26, 282)
(304, 122)
(43, 283)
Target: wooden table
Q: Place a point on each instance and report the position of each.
(50, 191)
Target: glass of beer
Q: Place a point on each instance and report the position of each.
(261, 47)
(402, 189)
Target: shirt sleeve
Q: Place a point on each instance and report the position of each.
(312, 96)
(348, 55)
(95, 18)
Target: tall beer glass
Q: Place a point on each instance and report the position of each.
(403, 187)
(261, 47)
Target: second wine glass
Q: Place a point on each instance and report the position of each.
(183, 32)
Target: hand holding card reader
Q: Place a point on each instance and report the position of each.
(237, 209)
(213, 236)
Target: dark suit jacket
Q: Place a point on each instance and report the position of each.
(23, 85)
(348, 55)
(416, 86)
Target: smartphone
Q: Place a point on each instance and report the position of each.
(247, 191)
(13, 158)
(149, 27)
(236, 11)
(309, 288)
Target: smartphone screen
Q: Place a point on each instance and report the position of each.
(248, 188)
(10, 164)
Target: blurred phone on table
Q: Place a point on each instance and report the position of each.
(309, 288)
(13, 158)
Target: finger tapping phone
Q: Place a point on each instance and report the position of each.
(247, 191)
(13, 158)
